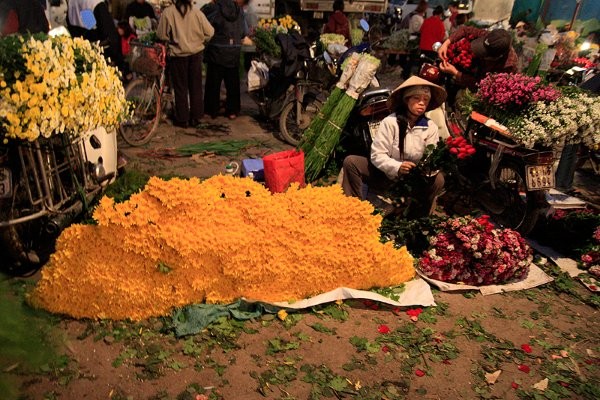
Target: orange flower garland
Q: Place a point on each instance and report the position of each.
(180, 242)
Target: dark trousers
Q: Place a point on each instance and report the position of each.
(215, 74)
(359, 170)
(186, 77)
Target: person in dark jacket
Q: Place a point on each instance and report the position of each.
(492, 50)
(338, 23)
(91, 20)
(22, 16)
(222, 56)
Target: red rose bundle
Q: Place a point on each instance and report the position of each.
(459, 147)
(460, 54)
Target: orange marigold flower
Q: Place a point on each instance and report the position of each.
(181, 242)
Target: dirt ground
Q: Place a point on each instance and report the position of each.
(547, 337)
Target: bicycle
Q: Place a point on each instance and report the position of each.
(148, 93)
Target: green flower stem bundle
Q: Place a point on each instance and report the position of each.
(313, 131)
(316, 156)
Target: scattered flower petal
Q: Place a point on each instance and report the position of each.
(415, 312)
(526, 348)
(491, 378)
(383, 329)
(541, 385)
(419, 373)
(282, 315)
(523, 368)
(385, 349)
(564, 353)
(514, 385)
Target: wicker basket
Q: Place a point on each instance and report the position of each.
(146, 59)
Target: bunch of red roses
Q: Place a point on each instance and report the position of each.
(459, 147)
(460, 54)
(471, 251)
(583, 62)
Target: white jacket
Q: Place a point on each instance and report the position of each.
(385, 150)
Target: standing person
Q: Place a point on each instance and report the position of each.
(91, 20)
(187, 30)
(415, 19)
(251, 21)
(223, 56)
(432, 31)
(453, 8)
(338, 22)
(22, 16)
(399, 144)
(492, 51)
(127, 35)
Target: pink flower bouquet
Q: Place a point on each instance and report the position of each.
(471, 251)
(514, 92)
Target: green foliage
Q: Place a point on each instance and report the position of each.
(125, 185)
(25, 339)
(265, 43)
(221, 148)
(412, 233)
(279, 345)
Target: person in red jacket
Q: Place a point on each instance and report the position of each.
(432, 31)
(338, 23)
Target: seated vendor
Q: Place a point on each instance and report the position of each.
(399, 144)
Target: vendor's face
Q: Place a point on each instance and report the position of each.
(417, 104)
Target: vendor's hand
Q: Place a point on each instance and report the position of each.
(405, 167)
(448, 68)
(443, 50)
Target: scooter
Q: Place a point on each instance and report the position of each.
(44, 186)
(292, 96)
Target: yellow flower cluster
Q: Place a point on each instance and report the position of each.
(181, 242)
(67, 87)
(281, 24)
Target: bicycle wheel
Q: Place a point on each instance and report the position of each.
(292, 126)
(143, 94)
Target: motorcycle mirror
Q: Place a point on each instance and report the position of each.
(364, 25)
(436, 46)
(327, 57)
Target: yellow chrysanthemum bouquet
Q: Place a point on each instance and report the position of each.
(266, 31)
(181, 242)
(54, 85)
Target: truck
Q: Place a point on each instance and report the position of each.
(312, 14)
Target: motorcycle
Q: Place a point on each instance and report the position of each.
(44, 186)
(293, 93)
(509, 180)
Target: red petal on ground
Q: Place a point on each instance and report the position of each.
(526, 348)
(419, 373)
(385, 349)
(383, 329)
(524, 368)
(414, 312)
(514, 385)
(447, 362)
(563, 384)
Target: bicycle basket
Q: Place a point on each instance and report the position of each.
(147, 59)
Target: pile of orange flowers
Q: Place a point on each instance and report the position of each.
(181, 242)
